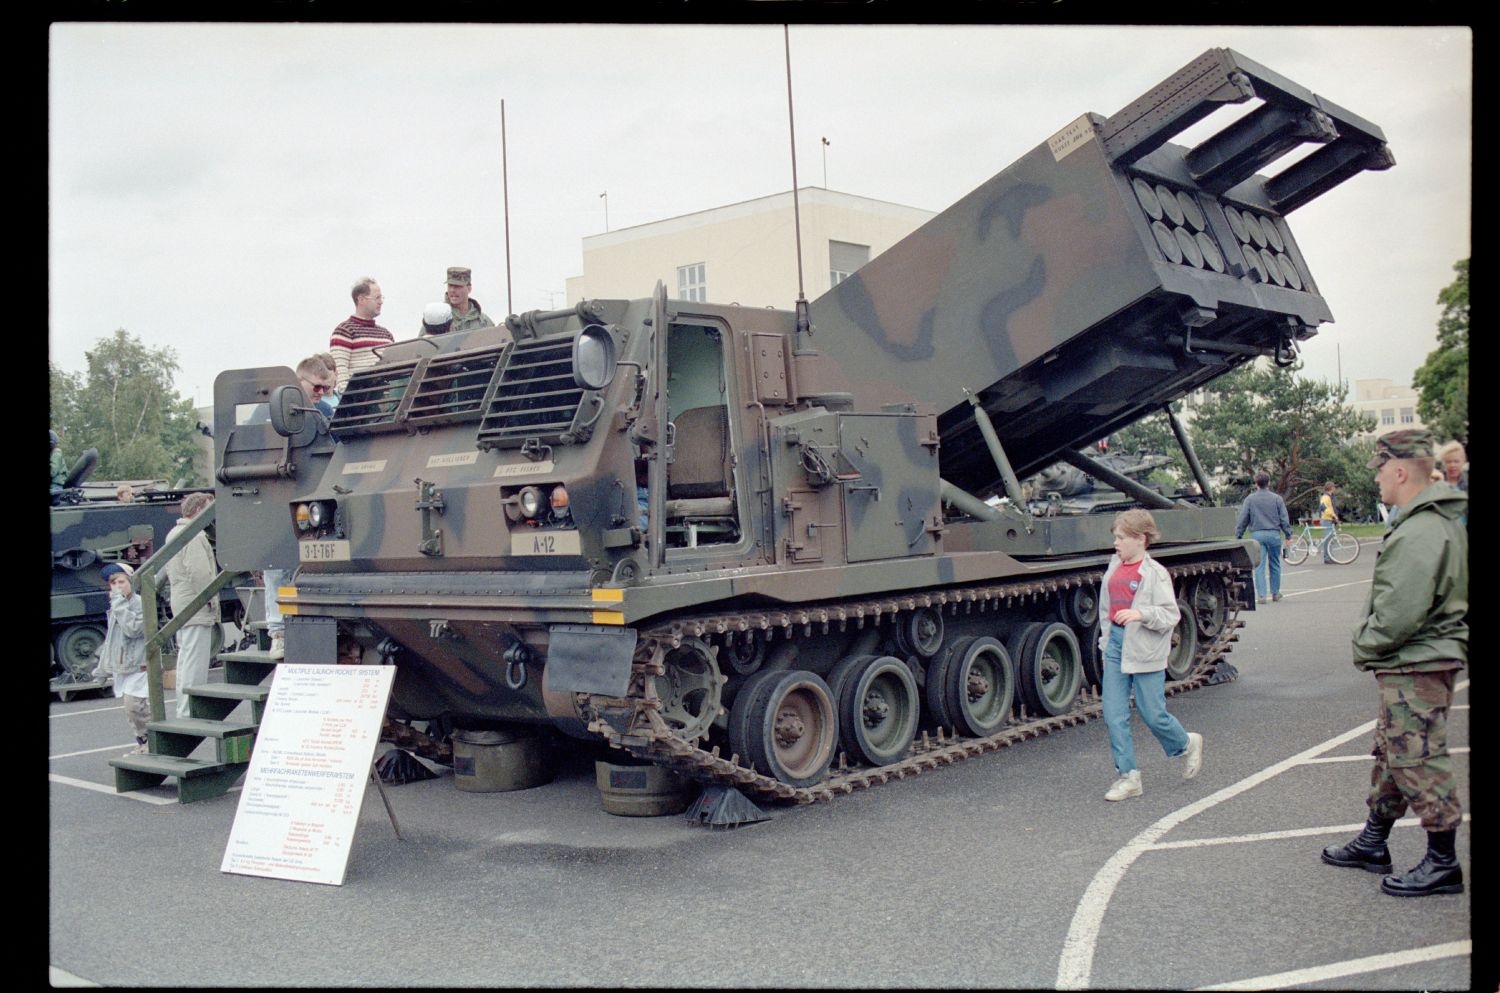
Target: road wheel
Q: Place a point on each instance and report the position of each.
(1210, 600)
(981, 686)
(748, 696)
(935, 696)
(878, 707)
(76, 647)
(1050, 669)
(1344, 548)
(794, 729)
(1184, 644)
(1090, 655)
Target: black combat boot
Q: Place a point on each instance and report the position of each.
(1367, 851)
(1438, 872)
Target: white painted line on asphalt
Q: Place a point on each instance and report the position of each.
(90, 751)
(1352, 967)
(99, 710)
(101, 788)
(1076, 963)
(1077, 959)
(1366, 758)
(1322, 589)
(1239, 839)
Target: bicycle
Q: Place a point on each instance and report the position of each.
(1342, 548)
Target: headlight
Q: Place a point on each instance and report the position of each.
(317, 514)
(593, 358)
(532, 501)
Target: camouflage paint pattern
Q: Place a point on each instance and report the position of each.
(1047, 291)
(1412, 765)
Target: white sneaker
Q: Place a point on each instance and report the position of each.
(1126, 786)
(278, 645)
(1193, 756)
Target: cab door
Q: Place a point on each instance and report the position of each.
(258, 473)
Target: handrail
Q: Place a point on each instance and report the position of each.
(145, 583)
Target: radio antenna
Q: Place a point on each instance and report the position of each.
(803, 324)
(505, 194)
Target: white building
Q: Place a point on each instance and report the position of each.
(1390, 405)
(745, 253)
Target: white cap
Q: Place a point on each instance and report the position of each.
(436, 314)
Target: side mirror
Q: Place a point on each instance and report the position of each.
(593, 358)
(288, 410)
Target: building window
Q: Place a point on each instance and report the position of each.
(1408, 415)
(1388, 416)
(692, 282)
(843, 259)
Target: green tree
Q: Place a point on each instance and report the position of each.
(125, 407)
(1296, 429)
(1443, 380)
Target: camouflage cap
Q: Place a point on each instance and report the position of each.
(458, 276)
(1408, 443)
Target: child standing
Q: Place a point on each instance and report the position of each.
(123, 654)
(1138, 609)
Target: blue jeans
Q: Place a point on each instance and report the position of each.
(1270, 559)
(1150, 700)
(1327, 537)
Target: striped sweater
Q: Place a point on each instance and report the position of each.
(352, 347)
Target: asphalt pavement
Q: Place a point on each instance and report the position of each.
(1006, 871)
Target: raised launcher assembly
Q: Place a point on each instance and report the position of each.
(755, 548)
(1105, 274)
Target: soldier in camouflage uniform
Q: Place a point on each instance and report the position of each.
(466, 312)
(1415, 639)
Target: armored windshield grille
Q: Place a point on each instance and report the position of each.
(535, 396)
(452, 387)
(372, 400)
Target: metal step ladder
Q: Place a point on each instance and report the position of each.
(171, 742)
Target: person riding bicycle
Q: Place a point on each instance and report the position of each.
(1330, 518)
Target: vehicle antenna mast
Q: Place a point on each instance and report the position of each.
(505, 195)
(803, 324)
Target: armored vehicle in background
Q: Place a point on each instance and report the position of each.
(1062, 488)
(740, 542)
(91, 528)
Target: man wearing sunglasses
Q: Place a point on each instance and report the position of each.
(318, 376)
(1414, 637)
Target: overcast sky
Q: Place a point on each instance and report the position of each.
(218, 188)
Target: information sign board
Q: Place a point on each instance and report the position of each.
(308, 772)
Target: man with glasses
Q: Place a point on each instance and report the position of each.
(318, 376)
(1414, 636)
(355, 339)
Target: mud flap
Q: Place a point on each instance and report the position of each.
(589, 658)
(311, 640)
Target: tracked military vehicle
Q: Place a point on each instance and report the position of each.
(752, 543)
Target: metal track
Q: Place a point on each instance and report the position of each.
(634, 723)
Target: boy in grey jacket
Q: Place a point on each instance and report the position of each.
(1137, 614)
(123, 654)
